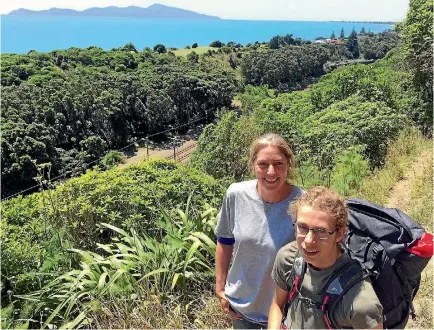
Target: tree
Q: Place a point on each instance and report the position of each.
(274, 43)
(342, 35)
(194, 45)
(288, 39)
(353, 44)
(160, 48)
(333, 36)
(216, 44)
(363, 31)
(129, 47)
(417, 32)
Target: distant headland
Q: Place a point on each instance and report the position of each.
(370, 22)
(153, 11)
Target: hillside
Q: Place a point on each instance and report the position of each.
(153, 11)
(90, 244)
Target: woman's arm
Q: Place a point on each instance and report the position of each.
(222, 260)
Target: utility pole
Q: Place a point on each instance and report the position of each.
(174, 148)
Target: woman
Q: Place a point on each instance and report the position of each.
(252, 226)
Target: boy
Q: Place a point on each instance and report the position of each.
(320, 219)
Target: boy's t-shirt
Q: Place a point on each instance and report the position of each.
(359, 307)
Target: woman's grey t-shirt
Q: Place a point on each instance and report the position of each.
(258, 236)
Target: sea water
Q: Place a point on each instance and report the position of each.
(20, 34)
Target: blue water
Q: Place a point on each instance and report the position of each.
(21, 34)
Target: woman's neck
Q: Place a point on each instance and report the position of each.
(274, 196)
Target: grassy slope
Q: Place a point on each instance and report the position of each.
(199, 50)
(404, 164)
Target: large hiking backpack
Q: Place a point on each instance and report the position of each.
(384, 244)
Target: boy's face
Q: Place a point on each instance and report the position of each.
(319, 248)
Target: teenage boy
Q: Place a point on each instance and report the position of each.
(320, 219)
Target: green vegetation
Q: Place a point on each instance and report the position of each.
(38, 230)
(362, 106)
(417, 30)
(134, 247)
(112, 158)
(198, 50)
(69, 108)
(63, 111)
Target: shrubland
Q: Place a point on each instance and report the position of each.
(134, 247)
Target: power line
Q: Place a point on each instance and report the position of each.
(99, 159)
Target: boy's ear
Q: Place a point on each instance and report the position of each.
(340, 234)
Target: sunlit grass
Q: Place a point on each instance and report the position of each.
(198, 50)
(421, 210)
(402, 152)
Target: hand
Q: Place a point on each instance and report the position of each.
(226, 307)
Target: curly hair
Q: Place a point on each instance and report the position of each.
(322, 199)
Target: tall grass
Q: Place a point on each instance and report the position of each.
(421, 210)
(401, 153)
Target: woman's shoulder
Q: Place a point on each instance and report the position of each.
(296, 192)
(241, 187)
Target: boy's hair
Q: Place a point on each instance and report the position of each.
(322, 199)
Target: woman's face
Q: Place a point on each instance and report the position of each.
(271, 169)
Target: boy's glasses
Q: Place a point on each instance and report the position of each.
(320, 233)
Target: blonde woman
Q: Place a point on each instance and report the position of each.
(253, 225)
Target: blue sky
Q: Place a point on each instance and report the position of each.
(363, 10)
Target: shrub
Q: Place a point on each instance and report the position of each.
(112, 158)
(216, 44)
(159, 48)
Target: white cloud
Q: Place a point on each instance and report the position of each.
(369, 10)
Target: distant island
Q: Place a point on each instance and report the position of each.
(153, 11)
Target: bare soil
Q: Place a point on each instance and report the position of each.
(400, 194)
(182, 153)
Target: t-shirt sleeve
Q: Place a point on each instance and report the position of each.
(225, 222)
(365, 310)
(283, 265)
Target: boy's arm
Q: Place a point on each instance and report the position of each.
(275, 314)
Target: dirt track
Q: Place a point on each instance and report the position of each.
(182, 153)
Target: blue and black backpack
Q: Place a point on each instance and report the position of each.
(384, 244)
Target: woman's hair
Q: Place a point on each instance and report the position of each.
(275, 140)
(322, 199)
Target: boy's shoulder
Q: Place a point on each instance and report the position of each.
(286, 254)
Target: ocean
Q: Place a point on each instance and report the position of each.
(20, 34)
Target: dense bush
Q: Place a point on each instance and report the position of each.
(361, 106)
(73, 120)
(129, 198)
(286, 69)
(417, 31)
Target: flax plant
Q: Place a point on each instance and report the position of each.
(178, 261)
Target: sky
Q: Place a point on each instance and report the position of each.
(302, 10)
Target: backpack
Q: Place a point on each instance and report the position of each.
(385, 245)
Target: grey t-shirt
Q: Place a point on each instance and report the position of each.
(258, 236)
(358, 309)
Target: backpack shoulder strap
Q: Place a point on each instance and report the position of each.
(343, 279)
(294, 283)
(296, 277)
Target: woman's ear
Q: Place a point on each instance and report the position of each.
(340, 234)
